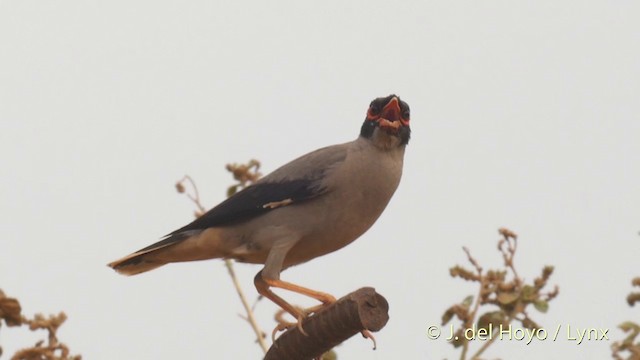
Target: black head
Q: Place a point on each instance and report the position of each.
(389, 114)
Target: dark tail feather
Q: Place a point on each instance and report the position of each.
(185, 246)
(141, 261)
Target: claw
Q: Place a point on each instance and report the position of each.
(368, 335)
(300, 325)
(284, 325)
(280, 327)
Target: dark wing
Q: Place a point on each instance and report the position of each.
(300, 180)
(246, 204)
(255, 200)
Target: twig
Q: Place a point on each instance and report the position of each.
(196, 195)
(473, 261)
(478, 299)
(511, 240)
(250, 318)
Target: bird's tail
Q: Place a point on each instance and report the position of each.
(186, 246)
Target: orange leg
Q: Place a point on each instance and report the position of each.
(263, 285)
(263, 289)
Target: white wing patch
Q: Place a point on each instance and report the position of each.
(277, 204)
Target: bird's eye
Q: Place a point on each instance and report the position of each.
(406, 114)
(374, 108)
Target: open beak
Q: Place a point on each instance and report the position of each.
(390, 118)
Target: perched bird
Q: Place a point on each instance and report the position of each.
(314, 205)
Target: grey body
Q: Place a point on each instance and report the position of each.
(360, 179)
(312, 206)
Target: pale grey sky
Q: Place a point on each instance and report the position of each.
(524, 114)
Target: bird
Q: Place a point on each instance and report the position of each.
(307, 208)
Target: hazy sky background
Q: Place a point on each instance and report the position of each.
(524, 115)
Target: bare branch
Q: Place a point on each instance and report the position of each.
(250, 318)
(359, 311)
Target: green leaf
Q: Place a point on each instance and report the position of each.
(232, 190)
(494, 317)
(467, 301)
(528, 293)
(541, 306)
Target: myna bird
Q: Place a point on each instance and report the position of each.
(314, 205)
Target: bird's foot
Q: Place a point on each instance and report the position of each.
(284, 325)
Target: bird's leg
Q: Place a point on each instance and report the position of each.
(263, 284)
(263, 289)
(326, 299)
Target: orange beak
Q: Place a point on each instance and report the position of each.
(391, 111)
(390, 117)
